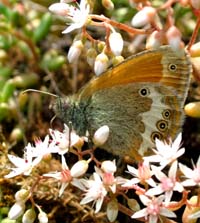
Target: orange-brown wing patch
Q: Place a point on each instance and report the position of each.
(142, 67)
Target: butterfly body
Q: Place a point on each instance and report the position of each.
(139, 100)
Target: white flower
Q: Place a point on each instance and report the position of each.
(64, 140)
(107, 175)
(23, 165)
(95, 191)
(66, 175)
(193, 175)
(167, 184)
(77, 16)
(166, 153)
(141, 175)
(42, 148)
(154, 208)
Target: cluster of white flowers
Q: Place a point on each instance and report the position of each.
(155, 188)
(78, 16)
(163, 185)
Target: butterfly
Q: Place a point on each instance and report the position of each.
(140, 99)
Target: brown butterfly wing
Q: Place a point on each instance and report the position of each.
(139, 100)
(163, 65)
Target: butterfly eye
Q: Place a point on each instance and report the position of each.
(161, 125)
(156, 135)
(144, 92)
(172, 67)
(166, 114)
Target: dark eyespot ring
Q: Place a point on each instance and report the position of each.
(144, 92)
(162, 125)
(172, 67)
(166, 114)
(156, 135)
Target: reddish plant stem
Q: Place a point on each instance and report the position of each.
(119, 25)
(194, 34)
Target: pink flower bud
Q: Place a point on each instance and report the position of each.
(195, 4)
(154, 40)
(116, 43)
(144, 17)
(173, 36)
(101, 135)
(100, 64)
(75, 51)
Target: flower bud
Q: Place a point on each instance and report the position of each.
(193, 109)
(21, 195)
(173, 36)
(108, 4)
(189, 214)
(100, 64)
(101, 135)
(112, 210)
(61, 9)
(195, 4)
(16, 210)
(91, 55)
(101, 46)
(117, 60)
(195, 50)
(29, 216)
(144, 17)
(66, 1)
(108, 166)
(42, 217)
(75, 51)
(154, 40)
(79, 168)
(116, 43)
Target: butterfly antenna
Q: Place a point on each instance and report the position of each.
(51, 122)
(38, 91)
